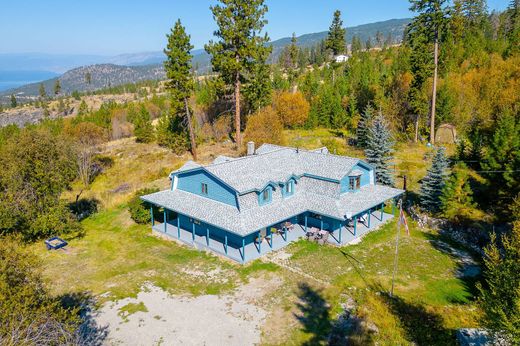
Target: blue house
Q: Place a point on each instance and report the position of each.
(245, 207)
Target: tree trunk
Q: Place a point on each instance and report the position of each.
(191, 131)
(238, 137)
(434, 91)
(416, 129)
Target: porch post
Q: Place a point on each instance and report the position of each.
(207, 236)
(165, 220)
(267, 229)
(393, 206)
(259, 242)
(339, 238)
(382, 210)
(355, 225)
(285, 233)
(225, 243)
(243, 249)
(321, 224)
(151, 215)
(193, 230)
(369, 214)
(306, 223)
(178, 226)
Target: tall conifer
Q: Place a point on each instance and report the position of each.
(378, 150)
(240, 49)
(433, 183)
(180, 80)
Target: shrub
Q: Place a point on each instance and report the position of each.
(265, 127)
(139, 209)
(292, 108)
(28, 314)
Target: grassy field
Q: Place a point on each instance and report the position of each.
(116, 257)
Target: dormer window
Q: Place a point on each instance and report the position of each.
(265, 196)
(204, 188)
(354, 183)
(289, 188)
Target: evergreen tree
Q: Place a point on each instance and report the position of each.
(172, 134)
(83, 108)
(336, 36)
(180, 81)
(57, 87)
(500, 295)
(293, 52)
(378, 150)
(356, 44)
(432, 21)
(14, 102)
(502, 161)
(42, 92)
(143, 129)
(240, 48)
(457, 197)
(433, 183)
(364, 124)
(513, 33)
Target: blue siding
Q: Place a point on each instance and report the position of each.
(365, 177)
(191, 182)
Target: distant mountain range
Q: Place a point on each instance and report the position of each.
(128, 68)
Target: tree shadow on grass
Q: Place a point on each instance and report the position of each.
(315, 318)
(314, 314)
(89, 332)
(422, 327)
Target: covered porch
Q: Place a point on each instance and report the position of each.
(245, 248)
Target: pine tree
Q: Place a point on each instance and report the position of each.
(356, 44)
(42, 92)
(57, 87)
(363, 125)
(336, 36)
(240, 48)
(180, 81)
(432, 19)
(502, 161)
(143, 130)
(457, 197)
(14, 103)
(500, 297)
(513, 34)
(83, 108)
(293, 52)
(433, 183)
(378, 150)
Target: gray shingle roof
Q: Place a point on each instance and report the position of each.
(245, 222)
(277, 164)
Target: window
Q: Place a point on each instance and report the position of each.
(354, 183)
(204, 188)
(289, 188)
(265, 196)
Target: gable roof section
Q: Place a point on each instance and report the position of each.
(278, 164)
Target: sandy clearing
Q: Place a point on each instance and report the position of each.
(232, 319)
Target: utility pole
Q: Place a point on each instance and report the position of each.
(396, 246)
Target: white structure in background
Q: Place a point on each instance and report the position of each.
(341, 58)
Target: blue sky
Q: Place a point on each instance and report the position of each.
(126, 26)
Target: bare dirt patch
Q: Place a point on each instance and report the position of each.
(232, 319)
